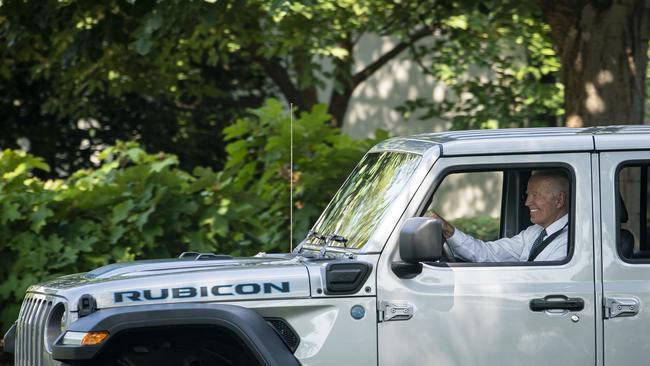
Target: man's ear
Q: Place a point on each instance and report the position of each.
(561, 200)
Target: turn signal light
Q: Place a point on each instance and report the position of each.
(93, 338)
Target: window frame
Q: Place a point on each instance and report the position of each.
(505, 168)
(633, 163)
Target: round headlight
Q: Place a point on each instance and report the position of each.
(55, 325)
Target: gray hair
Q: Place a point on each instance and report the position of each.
(559, 179)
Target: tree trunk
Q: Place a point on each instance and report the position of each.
(344, 84)
(603, 47)
(339, 105)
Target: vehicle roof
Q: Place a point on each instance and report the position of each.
(524, 140)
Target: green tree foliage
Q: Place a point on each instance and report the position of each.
(76, 76)
(259, 166)
(498, 65)
(138, 205)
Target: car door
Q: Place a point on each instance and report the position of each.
(480, 314)
(625, 257)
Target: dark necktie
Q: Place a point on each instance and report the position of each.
(538, 241)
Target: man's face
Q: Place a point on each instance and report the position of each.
(546, 204)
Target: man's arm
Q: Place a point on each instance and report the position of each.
(478, 251)
(475, 250)
(447, 228)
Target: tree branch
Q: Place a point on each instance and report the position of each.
(340, 97)
(307, 90)
(364, 74)
(281, 78)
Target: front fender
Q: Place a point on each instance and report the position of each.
(253, 330)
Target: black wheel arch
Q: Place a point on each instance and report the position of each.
(257, 335)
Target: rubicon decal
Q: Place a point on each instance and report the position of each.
(201, 291)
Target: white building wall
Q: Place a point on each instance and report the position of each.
(373, 103)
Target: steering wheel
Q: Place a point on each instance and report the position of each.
(448, 254)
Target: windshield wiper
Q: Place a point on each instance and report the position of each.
(329, 239)
(311, 234)
(335, 238)
(316, 235)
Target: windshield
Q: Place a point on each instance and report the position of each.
(363, 199)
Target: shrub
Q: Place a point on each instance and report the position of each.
(483, 227)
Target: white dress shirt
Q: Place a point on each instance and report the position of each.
(513, 249)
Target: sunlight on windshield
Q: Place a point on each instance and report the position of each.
(363, 199)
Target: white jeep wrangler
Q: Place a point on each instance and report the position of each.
(373, 283)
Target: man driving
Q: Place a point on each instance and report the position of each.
(547, 199)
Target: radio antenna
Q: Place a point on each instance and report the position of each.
(291, 178)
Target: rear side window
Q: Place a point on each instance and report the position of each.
(633, 213)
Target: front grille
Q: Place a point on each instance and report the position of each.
(30, 330)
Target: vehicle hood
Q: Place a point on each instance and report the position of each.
(174, 280)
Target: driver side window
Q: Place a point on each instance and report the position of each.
(518, 215)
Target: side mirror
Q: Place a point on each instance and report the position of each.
(420, 240)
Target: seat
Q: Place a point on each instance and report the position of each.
(627, 244)
(626, 239)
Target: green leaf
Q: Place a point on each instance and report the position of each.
(9, 212)
(143, 218)
(218, 225)
(38, 217)
(18, 171)
(121, 211)
(116, 234)
(237, 129)
(160, 165)
(153, 23)
(339, 52)
(459, 21)
(276, 143)
(237, 151)
(142, 45)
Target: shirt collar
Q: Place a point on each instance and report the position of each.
(559, 224)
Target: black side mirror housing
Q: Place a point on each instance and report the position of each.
(420, 240)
